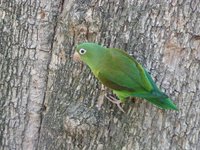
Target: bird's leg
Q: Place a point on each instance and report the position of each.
(115, 101)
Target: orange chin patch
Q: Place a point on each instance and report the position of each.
(76, 57)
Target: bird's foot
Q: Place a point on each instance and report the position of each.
(115, 101)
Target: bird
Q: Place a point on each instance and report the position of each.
(122, 73)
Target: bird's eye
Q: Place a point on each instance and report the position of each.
(82, 51)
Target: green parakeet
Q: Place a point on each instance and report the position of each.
(122, 73)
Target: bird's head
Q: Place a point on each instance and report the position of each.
(89, 53)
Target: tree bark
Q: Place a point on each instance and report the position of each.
(49, 102)
(27, 29)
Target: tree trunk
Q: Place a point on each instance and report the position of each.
(49, 102)
(27, 29)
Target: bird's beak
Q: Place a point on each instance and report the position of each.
(76, 57)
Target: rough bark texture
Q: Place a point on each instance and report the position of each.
(48, 101)
(27, 29)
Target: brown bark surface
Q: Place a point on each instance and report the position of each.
(47, 101)
(27, 30)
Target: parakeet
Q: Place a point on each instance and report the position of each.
(122, 73)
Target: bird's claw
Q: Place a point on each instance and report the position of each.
(115, 101)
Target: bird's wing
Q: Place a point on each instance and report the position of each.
(114, 81)
(122, 73)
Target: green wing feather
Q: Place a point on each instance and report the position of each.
(113, 84)
(121, 72)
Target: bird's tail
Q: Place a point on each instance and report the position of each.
(163, 103)
(157, 97)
